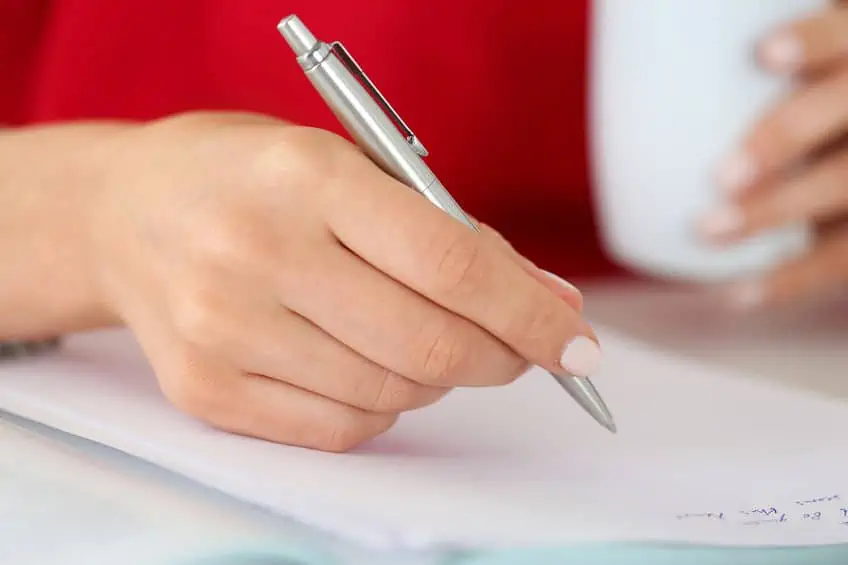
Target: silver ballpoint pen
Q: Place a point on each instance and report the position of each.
(388, 141)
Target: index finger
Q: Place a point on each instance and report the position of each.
(400, 233)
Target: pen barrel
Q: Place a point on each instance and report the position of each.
(368, 125)
(439, 196)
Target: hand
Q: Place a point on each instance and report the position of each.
(792, 168)
(283, 287)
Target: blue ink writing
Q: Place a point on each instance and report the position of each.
(830, 498)
(707, 515)
(764, 511)
(822, 511)
(779, 520)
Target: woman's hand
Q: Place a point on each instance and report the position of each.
(792, 168)
(283, 287)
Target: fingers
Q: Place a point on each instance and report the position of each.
(272, 341)
(562, 288)
(257, 406)
(394, 326)
(809, 44)
(817, 194)
(294, 350)
(792, 167)
(823, 270)
(258, 335)
(209, 385)
(804, 122)
(556, 284)
(808, 118)
(403, 235)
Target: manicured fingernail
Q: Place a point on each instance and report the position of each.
(747, 295)
(782, 52)
(565, 284)
(721, 223)
(737, 172)
(581, 357)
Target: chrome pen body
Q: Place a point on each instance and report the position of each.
(366, 115)
(378, 129)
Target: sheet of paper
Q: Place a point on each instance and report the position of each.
(703, 454)
(60, 503)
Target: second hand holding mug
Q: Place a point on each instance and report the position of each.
(674, 88)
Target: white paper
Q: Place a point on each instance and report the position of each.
(61, 504)
(704, 454)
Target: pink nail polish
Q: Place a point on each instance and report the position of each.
(737, 173)
(581, 357)
(721, 223)
(782, 52)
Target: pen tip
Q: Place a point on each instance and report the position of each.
(583, 391)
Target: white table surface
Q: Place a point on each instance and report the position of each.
(66, 500)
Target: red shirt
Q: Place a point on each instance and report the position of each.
(494, 88)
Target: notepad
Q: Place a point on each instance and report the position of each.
(705, 453)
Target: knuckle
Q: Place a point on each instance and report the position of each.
(281, 162)
(293, 158)
(445, 356)
(223, 245)
(533, 325)
(342, 434)
(233, 240)
(397, 394)
(195, 396)
(197, 318)
(461, 265)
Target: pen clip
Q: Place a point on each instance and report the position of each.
(348, 60)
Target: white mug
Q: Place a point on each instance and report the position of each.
(674, 87)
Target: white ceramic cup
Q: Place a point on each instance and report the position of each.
(674, 88)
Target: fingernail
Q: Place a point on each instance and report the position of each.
(782, 52)
(581, 357)
(721, 223)
(747, 295)
(565, 284)
(737, 173)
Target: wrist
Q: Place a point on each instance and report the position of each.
(49, 189)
